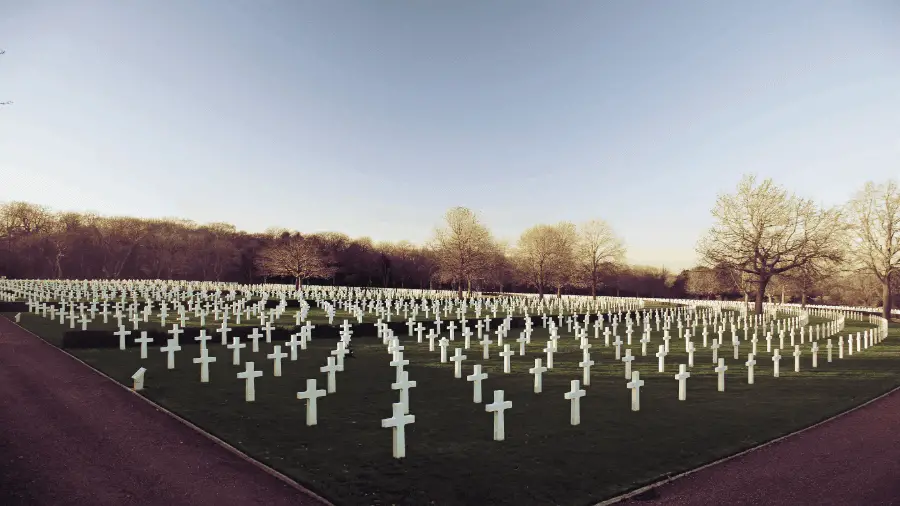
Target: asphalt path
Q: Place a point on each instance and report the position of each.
(850, 460)
(70, 436)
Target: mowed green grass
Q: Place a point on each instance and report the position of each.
(451, 457)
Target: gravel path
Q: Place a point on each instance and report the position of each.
(69, 436)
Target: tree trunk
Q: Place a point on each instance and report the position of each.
(782, 295)
(886, 298)
(559, 292)
(803, 298)
(59, 270)
(469, 281)
(760, 294)
(297, 283)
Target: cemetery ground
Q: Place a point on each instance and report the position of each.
(316, 316)
(451, 457)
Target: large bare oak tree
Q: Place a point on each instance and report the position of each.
(764, 231)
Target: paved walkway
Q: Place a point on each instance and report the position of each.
(68, 436)
(851, 460)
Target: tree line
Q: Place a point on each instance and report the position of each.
(765, 243)
(37, 242)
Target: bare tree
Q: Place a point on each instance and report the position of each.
(544, 255)
(875, 219)
(276, 232)
(295, 257)
(703, 282)
(118, 238)
(566, 262)
(597, 244)
(763, 231)
(807, 279)
(500, 269)
(858, 287)
(463, 246)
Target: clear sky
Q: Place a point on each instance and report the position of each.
(373, 117)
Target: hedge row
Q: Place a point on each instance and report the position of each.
(13, 307)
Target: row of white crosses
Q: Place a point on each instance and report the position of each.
(250, 374)
(635, 384)
(197, 308)
(109, 289)
(507, 353)
(574, 395)
(499, 406)
(201, 312)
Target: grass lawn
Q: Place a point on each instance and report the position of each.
(451, 457)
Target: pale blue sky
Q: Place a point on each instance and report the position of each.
(374, 117)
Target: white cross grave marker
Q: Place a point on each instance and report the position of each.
(331, 368)
(457, 359)
(661, 355)
(635, 385)
(398, 423)
(235, 347)
(506, 354)
(311, 395)
(403, 386)
(498, 407)
(721, 370)
(682, 377)
(204, 360)
(575, 395)
(249, 375)
(276, 356)
(585, 364)
(171, 347)
(751, 361)
(143, 340)
(476, 377)
(628, 358)
(122, 333)
(537, 371)
(254, 336)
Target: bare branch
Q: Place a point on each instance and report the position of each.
(763, 231)
(874, 216)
